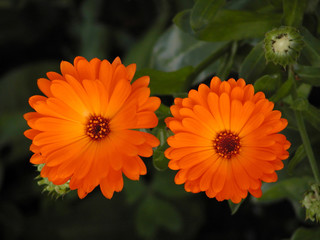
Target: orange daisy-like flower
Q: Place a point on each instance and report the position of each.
(83, 130)
(226, 140)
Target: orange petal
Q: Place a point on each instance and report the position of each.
(237, 93)
(152, 104)
(220, 175)
(31, 133)
(213, 102)
(240, 175)
(67, 68)
(141, 82)
(212, 122)
(195, 127)
(248, 92)
(95, 66)
(54, 76)
(44, 86)
(146, 120)
(132, 168)
(195, 158)
(215, 85)
(224, 88)
(85, 70)
(118, 97)
(131, 69)
(188, 140)
(224, 103)
(63, 91)
(37, 159)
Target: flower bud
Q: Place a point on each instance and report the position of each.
(311, 202)
(283, 45)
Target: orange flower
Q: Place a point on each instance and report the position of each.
(226, 140)
(83, 129)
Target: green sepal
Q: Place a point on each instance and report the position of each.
(52, 189)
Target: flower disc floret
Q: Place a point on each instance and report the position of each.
(227, 144)
(97, 127)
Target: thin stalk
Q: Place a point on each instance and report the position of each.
(228, 65)
(303, 131)
(204, 64)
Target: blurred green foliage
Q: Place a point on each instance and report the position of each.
(179, 43)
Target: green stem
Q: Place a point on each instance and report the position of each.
(224, 72)
(204, 64)
(303, 131)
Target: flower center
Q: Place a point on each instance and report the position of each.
(281, 44)
(226, 144)
(97, 127)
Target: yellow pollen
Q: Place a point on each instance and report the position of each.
(226, 144)
(97, 127)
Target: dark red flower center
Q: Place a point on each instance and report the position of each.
(97, 127)
(226, 144)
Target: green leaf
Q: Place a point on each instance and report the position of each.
(308, 74)
(234, 207)
(175, 49)
(253, 64)
(140, 53)
(293, 12)
(291, 188)
(303, 233)
(311, 50)
(182, 20)
(304, 90)
(300, 104)
(227, 62)
(312, 115)
(268, 83)
(204, 12)
(237, 25)
(153, 214)
(163, 83)
(299, 155)
(283, 91)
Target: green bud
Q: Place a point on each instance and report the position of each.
(311, 202)
(52, 189)
(283, 45)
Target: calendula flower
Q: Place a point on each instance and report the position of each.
(226, 140)
(83, 129)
